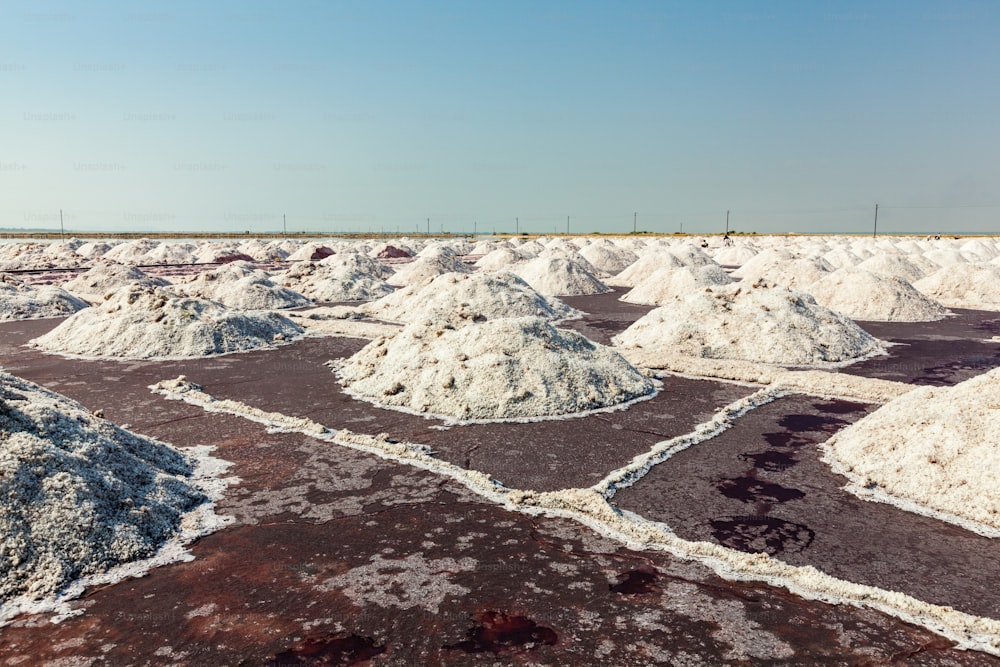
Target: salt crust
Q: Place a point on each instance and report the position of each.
(106, 277)
(342, 321)
(559, 276)
(153, 323)
(20, 301)
(460, 297)
(347, 276)
(590, 507)
(761, 322)
(86, 502)
(670, 283)
(498, 370)
(241, 286)
(934, 448)
(863, 295)
(964, 286)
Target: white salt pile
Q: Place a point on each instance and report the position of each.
(464, 298)
(153, 323)
(735, 255)
(19, 301)
(648, 263)
(863, 295)
(608, 257)
(934, 448)
(558, 276)
(964, 286)
(427, 266)
(94, 249)
(668, 284)
(799, 272)
(347, 276)
(131, 252)
(910, 268)
(312, 251)
(240, 286)
(504, 369)
(761, 322)
(106, 277)
(500, 259)
(79, 495)
(170, 252)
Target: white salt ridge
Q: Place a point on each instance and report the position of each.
(240, 286)
(932, 450)
(608, 257)
(762, 323)
(341, 277)
(863, 295)
(170, 252)
(647, 264)
(909, 268)
(306, 251)
(500, 259)
(80, 498)
(106, 277)
(964, 286)
(735, 255)
(462, 298)
(19, 301)
(512, 369)
(796, 273)
(558, 276)
(667, 284)
(130, 252)
(153, 323)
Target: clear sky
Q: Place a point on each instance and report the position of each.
(356, 115)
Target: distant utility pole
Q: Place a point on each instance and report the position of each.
(62, 230)
(727, 223)
(428, 226)
(634, 216)
(567, 225)
(517, 225)
(875, 229)
(475, 229)
(284, 224)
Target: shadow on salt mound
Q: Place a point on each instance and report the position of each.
(515, 369)
(81, 497)
(240, 286)
(346, 276)
(931, 451)
(666, 285)
(459, 298)
(106, 277)
(967, 285)
(558, 276)
(763, 323)
(20, 301)
(863, 295)
(153, 323)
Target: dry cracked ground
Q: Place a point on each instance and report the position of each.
(338, 557)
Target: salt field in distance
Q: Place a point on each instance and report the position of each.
(518, 449)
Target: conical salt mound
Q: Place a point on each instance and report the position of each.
(428, 266)
(106, 277)
(964, 286)
(348, 276)
(863, 295)
(648, 264)
(900, 266)
(558, 276)
(240, 286)
(153, 323)
(466, 298)
(934, 446)
(608, 257)
(505, 369)
(763, 323)
(79, 495)
(797, 273)
(665, 285)
(20, 301)
(500, 259)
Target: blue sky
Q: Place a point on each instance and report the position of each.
(377, 115)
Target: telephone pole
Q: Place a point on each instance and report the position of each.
(284, 224)
(517, 225)
(62, 230)
(567, 225)
(634, 216)
(727, 223)
(875, 229)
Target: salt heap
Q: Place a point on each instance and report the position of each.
(648, 263)
(241, 286)
(934, 446)
(762, 322)
(106, 277)
(131, 252)
(909, 268)
(464, 297)
(79, 495)
(429, 264)
(171, 253)
(503, 369)
(558, 276)
(799, 272)
(20, 301)
(312, 251)
(341, 277)
(863, 295)
(608, 257)
(735, 255)
(501, 259)
(964, 286)
(153, 323)
(667, 284)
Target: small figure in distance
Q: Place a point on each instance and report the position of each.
(726, 240)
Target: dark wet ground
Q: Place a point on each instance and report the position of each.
(342, 558)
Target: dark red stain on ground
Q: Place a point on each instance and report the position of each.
(497, 632)
(762, 534)
(640, 581)
(329, 650)
(770, 460)
(749, 489)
